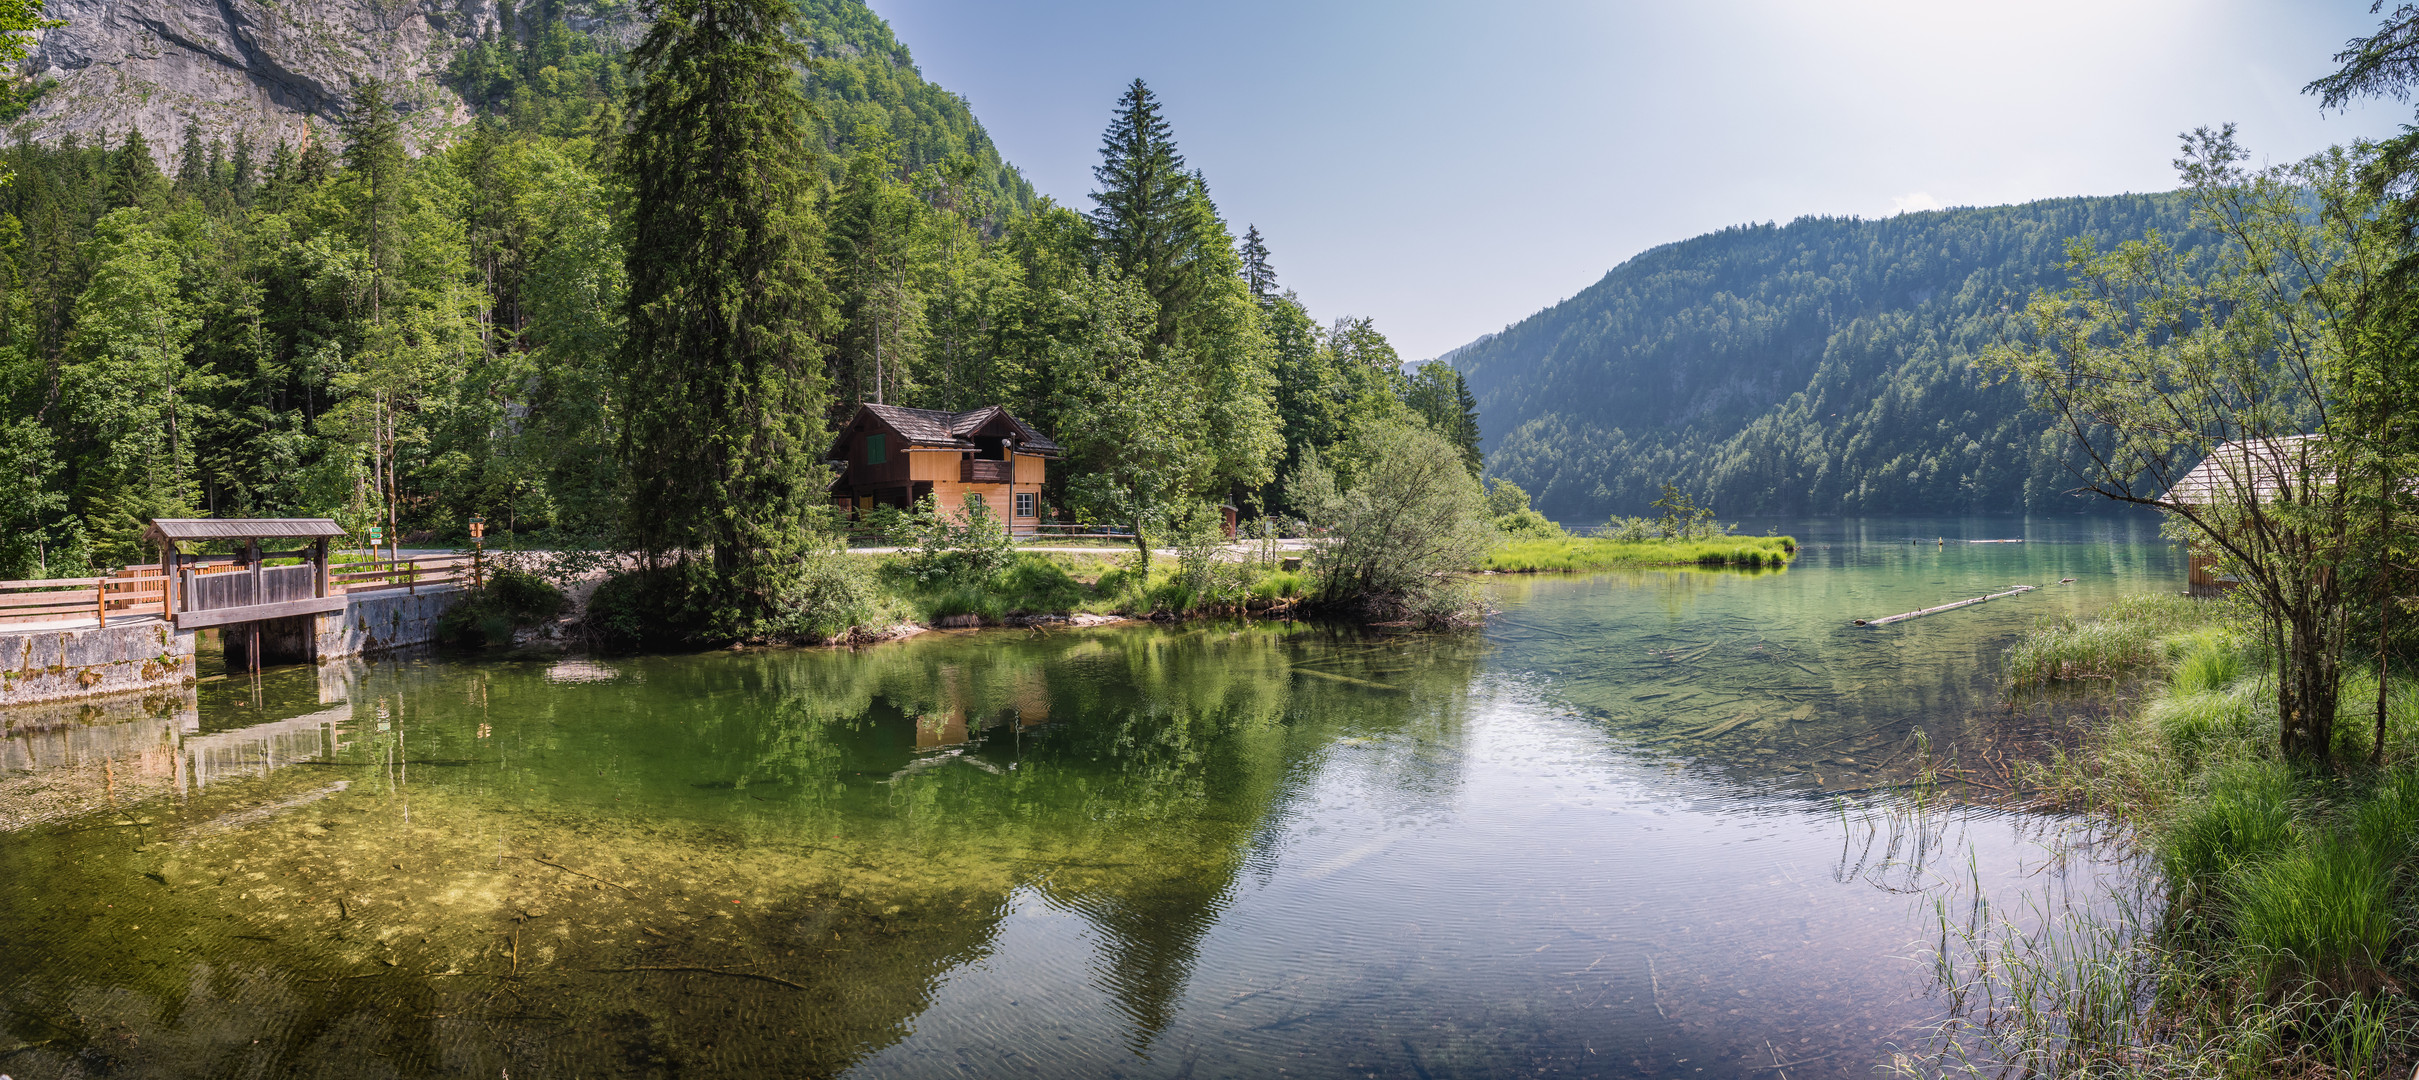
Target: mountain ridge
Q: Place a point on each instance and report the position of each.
(1823, 366)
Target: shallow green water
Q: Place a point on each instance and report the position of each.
(1604, 838)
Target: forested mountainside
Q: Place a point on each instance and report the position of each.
(261, 72)
(1823, 366)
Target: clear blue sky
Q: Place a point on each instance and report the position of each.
(1450, 168)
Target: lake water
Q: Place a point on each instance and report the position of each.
(1642, 826)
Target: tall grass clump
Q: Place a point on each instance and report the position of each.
(2247, 816)
(2125, 640)
(2275, 933)
(2322, 913)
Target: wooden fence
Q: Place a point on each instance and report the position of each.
(142, 590)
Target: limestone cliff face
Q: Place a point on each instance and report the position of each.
(264, 67)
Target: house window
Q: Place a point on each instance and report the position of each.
(978, 502)
(1024, 504)
(873, 450)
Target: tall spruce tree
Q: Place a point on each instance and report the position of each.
(1145, 214)
(133, 175)
(192, 162)
(1257, 273)
(725, 387)
(374, 160)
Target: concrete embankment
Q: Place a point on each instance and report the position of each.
(148, 655)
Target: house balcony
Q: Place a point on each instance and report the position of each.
(974, 471)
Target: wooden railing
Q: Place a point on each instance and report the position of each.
(143, 590)
(134, 591)
(978, 471)
(416, 573)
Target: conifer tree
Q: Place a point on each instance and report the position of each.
(133, 175)
(1145, 213)
(1440, 396)
(725, 380)
(374, 161)
(317, 163)
(192, 162)
(874, 260)
(1257, 273)
(242, 180)
(284, 175)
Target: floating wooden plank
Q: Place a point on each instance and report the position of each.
(1888, 619)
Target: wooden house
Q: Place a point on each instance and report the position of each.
(893, 456)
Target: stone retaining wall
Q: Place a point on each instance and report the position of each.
(57, 665)
(384, 620)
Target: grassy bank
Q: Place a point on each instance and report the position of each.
(1574, 554)
(1052, 584)
(2276, 936)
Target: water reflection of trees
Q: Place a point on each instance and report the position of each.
(884, 807)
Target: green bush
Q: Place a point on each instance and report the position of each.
(832, 594)
(1408, 521)
(1527, 524)
(637, 608)
(505, 601)
(964, 546)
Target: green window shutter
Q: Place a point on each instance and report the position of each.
(874, 454)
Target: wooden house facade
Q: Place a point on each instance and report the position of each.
(888, 455)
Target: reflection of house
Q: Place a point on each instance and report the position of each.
(893, 456)
(2244, 472)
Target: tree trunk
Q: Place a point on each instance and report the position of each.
(2307, 691)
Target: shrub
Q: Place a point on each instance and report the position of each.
(832, 594)
(505, 601)
(636, 607)
(1527, 524)
(1505, 499)
(962, 547)
(1412, 518)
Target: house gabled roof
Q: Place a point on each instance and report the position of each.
(932, 427)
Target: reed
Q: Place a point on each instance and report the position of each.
(2273, 935)
(2126, 640)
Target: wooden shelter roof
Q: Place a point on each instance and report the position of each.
(178, 530)
(2250, 470)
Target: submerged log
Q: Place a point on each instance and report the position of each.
(1888, 619)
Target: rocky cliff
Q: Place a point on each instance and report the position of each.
(268, 68)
